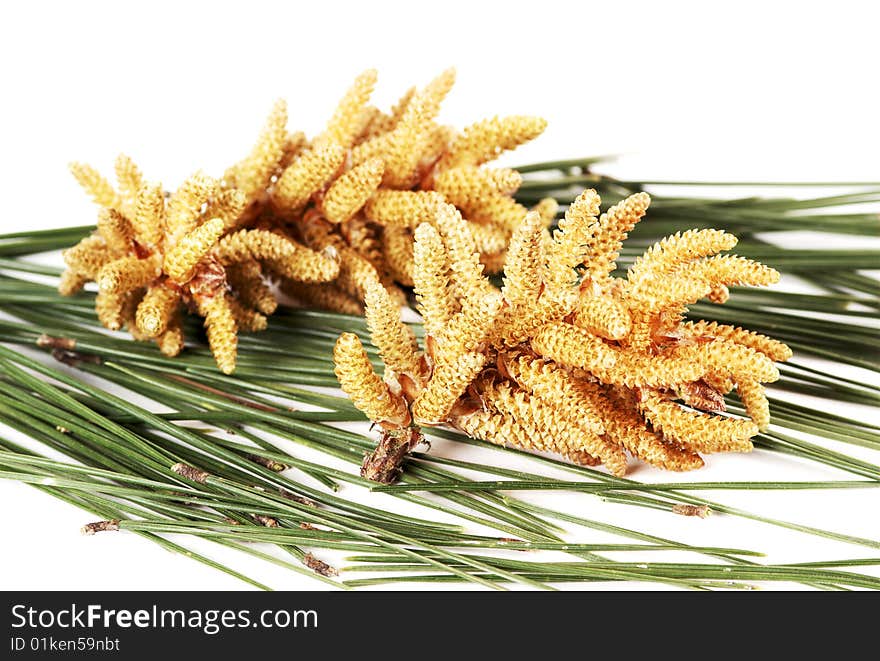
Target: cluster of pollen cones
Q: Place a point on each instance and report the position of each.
(565, 357)
(316, 219)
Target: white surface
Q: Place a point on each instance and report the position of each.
(752, 91)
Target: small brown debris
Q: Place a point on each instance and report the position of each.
(267, 521)
(49, 342)
(701, 511)
(100, 526)
(319, 566)
(190, 472)
(271, 464)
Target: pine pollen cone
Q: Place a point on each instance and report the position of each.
(567, 357)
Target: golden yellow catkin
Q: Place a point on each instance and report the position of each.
(148, 220)
(127, 273)
(326, 296)
(574, 347)
(672, 252)
(700, 432)
(488, 139)
(464, 186)
(361, 383)
(157, 309)
(247, 319)
(346, 196)
(183, 258)
(346, 123)
(287, 258)
(555, 432)
(604, 316)
(87, 257)
(246, 280)
(228, 206)
(524, 268)
(773, 349)
(100, 190)
(171, 342)
(399, 254)
(396, 342)
(185, 205)
(115, 229)
(130, 180)
(253, 174)
(610, 232)
(403, 208)
(307, 175)
(221, 330)
(625, 425)
(448, 382)
(754, 399)
(431, 280)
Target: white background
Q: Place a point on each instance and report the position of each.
(682, 90)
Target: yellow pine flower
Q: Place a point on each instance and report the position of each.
(624, 425)
(115, 229)
(101, 190)
(448, 382)
(754, 399)
(403, 208)
(399, 254)
(574, 347)
(604, 316)
(553, 430)
(609, 351)
(130, 182)
(183, 258)
(148, 220)
(246, 319)
(396, 342)
(185, 205)
(227, 205)
(127, 273)
(287, 258)
(524, 268)
(71, 282)
(431, 281)
(346, 123)
(674, 251)
(326, 296)
(246, 280)
(556, 386)
(308, 174)
(348, 194)
(221, 329)
(157, 309)
(361, 383)
(464, 186)
(171, 342)
(113, 309)
(87, 257)
(610, 232)
(699, 431)
(497, 209)
(719, 294)
(253, 174)
(773, 349)
(488, 139)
